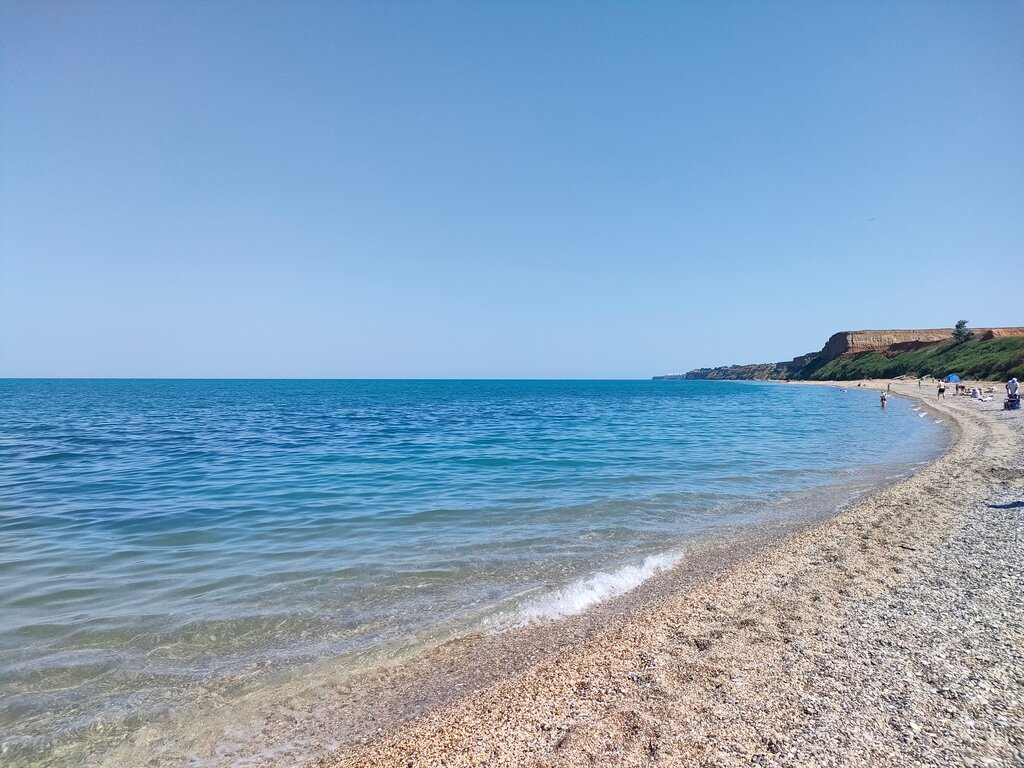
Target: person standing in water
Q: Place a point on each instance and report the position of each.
(884, 398)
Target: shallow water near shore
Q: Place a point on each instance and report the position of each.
(167, 543)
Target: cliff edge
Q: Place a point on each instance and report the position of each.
(990, 353)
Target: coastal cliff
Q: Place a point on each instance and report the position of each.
(993, 353)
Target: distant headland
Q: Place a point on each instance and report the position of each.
(976, 353)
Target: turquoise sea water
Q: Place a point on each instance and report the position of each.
(161, 540)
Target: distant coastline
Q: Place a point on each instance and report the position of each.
(989, 353)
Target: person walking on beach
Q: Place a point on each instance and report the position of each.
(942, 390)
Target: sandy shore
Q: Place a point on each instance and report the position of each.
(892, 634)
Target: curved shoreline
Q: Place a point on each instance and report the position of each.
(768, 659)
(320, 709)
(420, 711)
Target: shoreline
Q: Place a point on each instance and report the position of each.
(346, 710)
(425, 710)
(327, 707)
(706, 673)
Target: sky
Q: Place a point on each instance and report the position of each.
(499, 189)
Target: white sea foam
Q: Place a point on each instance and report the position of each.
(580, 595)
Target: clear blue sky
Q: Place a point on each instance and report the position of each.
(499, 189)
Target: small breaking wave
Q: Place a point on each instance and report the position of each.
(581, 595)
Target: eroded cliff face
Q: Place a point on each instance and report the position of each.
(996, 333)
(855, 342)
(845, 344)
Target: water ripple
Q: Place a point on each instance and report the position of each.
(167, 540)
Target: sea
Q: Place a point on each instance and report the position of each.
(164, 542)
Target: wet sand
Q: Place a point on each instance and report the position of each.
(888, 635)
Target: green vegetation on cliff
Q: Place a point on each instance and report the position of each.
(997, 358)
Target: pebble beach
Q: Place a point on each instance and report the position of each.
(505, 385)
(890, 635)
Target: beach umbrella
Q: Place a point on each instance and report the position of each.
(953, 378)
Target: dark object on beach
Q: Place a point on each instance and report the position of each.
(1012, 403)
(1011, 505)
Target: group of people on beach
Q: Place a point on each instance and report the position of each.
(1012, 391)
(960, 389)
(976, 393)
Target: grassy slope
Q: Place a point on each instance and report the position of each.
(994, 359)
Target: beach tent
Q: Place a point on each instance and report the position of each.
(953, 378)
